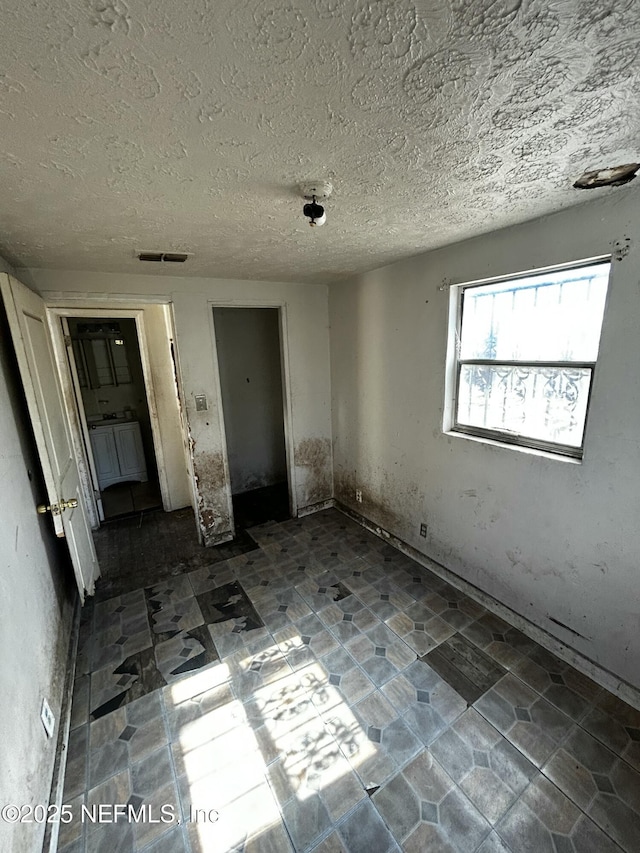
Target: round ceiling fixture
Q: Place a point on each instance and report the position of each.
(612, 176)
(313, 192)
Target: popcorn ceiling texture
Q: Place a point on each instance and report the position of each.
(189, 125)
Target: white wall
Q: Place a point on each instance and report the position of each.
(37, 592)
(248, 347)
(549, 538)
(306, 345)
(170, 418)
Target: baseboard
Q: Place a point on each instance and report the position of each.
(604, 677)
(50, 843)
(318, 507)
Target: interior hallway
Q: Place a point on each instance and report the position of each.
(298, 682)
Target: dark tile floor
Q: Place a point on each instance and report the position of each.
(130, 498)
(143, 550)
(281, 687)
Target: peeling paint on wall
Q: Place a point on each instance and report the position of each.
(209, 472)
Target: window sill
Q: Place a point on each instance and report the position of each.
(518, 448)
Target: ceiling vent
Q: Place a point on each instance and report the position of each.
(163, 257)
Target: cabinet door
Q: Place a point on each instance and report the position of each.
(105, 456)
(130, 452)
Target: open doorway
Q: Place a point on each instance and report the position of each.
(251, 384)
(111, 391)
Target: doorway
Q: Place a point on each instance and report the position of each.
(112, 397)
(249, 354)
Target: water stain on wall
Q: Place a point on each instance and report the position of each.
(391, 507)
(314, 455)
(345, 485)
(213, 511)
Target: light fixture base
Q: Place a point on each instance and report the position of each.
(319, 190)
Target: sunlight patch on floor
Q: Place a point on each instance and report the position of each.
(240, 759)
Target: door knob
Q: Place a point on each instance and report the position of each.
(56, 509)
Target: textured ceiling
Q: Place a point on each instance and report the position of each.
(188, 125)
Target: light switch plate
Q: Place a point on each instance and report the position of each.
(201, 403)
(48, 720)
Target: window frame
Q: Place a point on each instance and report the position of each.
(518, 440)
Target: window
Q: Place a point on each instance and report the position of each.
(526, 351)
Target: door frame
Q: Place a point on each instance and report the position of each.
(285, 371)
(57, 322)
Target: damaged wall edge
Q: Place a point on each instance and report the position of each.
(604, 677)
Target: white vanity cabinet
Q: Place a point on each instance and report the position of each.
(118, 453)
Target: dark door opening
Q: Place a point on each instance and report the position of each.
(114, 399)
(250, 365)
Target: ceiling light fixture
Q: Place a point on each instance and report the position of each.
(612, 176)
(313, 193)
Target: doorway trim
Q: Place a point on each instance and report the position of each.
(283, 329)
(56, 316)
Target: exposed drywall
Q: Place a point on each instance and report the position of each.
(552, 539)
(305, 359)
(37, 592)
(248, 348)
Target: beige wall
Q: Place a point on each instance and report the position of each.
(306, 356)
(550, 538)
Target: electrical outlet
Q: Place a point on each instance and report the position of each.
(359, 495)
(48, 720)
(423, 531)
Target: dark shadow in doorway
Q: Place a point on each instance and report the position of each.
(124, 499)
(270, 503)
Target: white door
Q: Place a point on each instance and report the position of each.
(28, 323)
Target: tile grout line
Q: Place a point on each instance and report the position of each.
(540, 770)
(182, 822)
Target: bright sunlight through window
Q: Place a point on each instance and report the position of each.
(526, 353)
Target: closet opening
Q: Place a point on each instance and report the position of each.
(249, 350)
